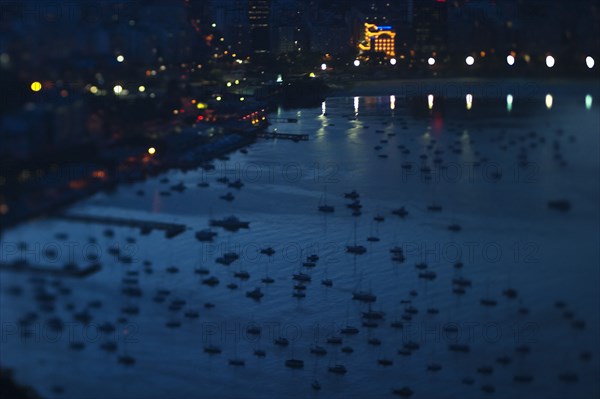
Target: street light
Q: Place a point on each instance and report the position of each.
(36, 86)
(510, 60)
(550, 61)
(431, 61)
(393, 61)
(323, 67)
(118, 89)
(470, 60)
(356, 63)
(589, 61)
(120, 58)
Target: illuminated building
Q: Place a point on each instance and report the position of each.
(378, 39)
(230, 18)
(430, 25)
(329, 36)
(284, 42)
(259, 12)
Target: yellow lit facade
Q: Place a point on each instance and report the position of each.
(378, 39)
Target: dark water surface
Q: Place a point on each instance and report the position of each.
(491, 169)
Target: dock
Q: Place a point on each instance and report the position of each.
(284, 120)
(78, 272)
(284, 136)
(171, 229)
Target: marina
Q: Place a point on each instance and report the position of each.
(272, 288)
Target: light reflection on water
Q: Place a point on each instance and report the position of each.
(549, 101)
(508, 239)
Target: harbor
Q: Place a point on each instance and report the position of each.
(303, 199)
(332, 267)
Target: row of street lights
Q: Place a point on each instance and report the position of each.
(470, 61)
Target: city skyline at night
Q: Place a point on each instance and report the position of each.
(256, 199)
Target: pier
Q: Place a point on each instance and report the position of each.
(284, 136)
(171, 229)
(284, 120)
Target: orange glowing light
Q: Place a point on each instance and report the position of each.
(378, 39)
(99, 174)
(77, 184)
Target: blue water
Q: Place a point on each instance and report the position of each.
(509, 238)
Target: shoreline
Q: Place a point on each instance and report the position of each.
(244, 141)
(479, 87)
(460, 86)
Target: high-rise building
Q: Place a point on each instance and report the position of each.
(284, 42)
(329, 38)
(259, 12)
(430, 26)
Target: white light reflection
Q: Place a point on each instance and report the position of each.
(356, 105)
(588, 102)
(549, 101)
(469, 101)
(509, 102)
(323, 108)
(392, 102)
(430, 101)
